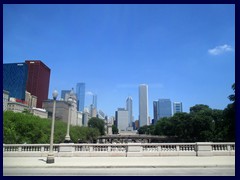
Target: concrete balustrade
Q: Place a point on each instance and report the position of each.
(121, 150)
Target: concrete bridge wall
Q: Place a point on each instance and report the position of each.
(121, 150)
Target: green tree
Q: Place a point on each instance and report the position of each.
(164, 127)
(142, 130)
(21, 128)
(220, 128)
(229, 115)
(182, 126)
(114, 129)
(203, 123)
(97, 123)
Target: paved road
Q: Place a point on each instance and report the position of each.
(209, 171)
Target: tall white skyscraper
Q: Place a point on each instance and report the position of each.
(143, 105)
(129, 109)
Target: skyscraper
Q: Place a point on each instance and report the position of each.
(122, 119)
(129, 109)
(94, 101)
(15, 79)
(164, 108)
(38, 80)
(80, 96)
(63, 94)
(155, 111)
(177, 107)
(143, 105)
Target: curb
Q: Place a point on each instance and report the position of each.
(124, 166)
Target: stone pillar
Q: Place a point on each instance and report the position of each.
(66, 149)
(134, 150)
(204, 148)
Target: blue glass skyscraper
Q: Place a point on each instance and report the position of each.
(80, 90)
(15, 79)
(164, 108)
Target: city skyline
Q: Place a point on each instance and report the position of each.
(182, 52)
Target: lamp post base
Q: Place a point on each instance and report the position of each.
(67, 141)
(50, 158)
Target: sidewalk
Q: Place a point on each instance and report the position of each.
(116, 162)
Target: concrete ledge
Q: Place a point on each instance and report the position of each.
(134, 154)
(169, 153)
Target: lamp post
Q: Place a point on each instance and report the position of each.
(50, 157)
(67, 137)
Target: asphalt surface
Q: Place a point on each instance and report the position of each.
(154, 166)
(150, 171)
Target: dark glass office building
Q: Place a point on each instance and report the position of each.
(38, 80)
(80, 90)
(15, 79)
(164, 108)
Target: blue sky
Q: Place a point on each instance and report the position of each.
(183, 52)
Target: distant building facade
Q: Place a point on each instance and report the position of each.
(164, 108)
(63, 94)
(122, 119)
(80, 91)
(155, 111)
(93, 111)
(15, 79)
(130, 112)
(42, 113)
(38, 80)
(143, 105)
(32, 76)
(101, 114)
(94, 101)
(5, 100)
(16, 106)
(31, 100)
(177, 107)
(62, 109)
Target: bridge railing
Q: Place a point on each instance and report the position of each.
(126, 149)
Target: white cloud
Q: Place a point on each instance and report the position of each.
(89, 93)
(220, 49)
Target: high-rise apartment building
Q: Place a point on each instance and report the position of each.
(129, 109)
(38, 80)
(80, 90)
(143, 105)
(177, 107)
(164, 108)
(15, 79)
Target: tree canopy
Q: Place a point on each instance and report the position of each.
(21, 128)
(97, 123)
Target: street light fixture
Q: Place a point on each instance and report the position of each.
(70, 101)
(50, 157)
